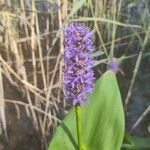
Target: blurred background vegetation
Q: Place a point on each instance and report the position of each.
(31, 63)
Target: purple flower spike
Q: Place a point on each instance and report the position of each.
(78, 73)
(113, 65)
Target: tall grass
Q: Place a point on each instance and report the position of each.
(31, 48)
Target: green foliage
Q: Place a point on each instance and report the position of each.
(102, 120)
(140, 143)
(135, 143)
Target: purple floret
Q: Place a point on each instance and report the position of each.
(113, 65)
(78, 73)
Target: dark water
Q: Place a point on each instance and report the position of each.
(21, 132)
(140, 100)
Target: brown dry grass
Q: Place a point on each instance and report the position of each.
(31, 48)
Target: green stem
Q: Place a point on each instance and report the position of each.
(78, 123)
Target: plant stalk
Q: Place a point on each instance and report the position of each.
(78, 124)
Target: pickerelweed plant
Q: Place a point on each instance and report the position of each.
(78, 73)
(98, 124)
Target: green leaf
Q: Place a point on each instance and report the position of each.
(102, 120)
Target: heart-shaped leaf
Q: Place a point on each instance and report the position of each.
(102, 120)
